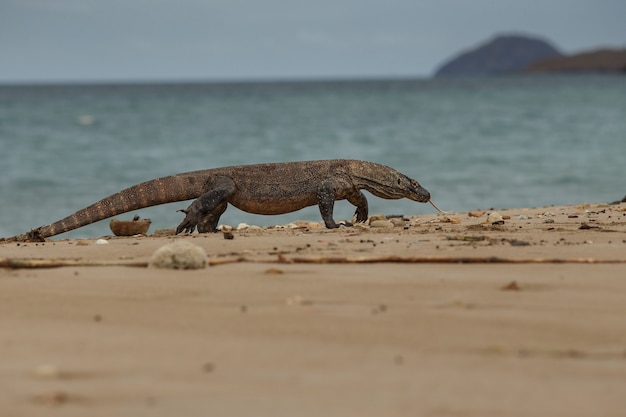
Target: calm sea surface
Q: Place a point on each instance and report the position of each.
(474, 143)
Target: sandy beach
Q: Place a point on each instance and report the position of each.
(519, 313)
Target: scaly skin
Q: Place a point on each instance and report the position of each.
(261, 189)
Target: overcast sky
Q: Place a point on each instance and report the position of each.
(103, 40)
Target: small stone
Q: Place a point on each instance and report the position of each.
(476, 213)
(225, 228)
(511, 286)
(102, 242)
(179, 255)
(243, 226)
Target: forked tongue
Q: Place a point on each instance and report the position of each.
(435, 206)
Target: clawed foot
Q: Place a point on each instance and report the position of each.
(194, 218)
(189, 223)
(343, 223)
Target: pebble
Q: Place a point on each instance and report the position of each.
(102, 242)
(179, 255)
(476, 213)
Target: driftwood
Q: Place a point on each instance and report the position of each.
(443, 260)
(22, 263)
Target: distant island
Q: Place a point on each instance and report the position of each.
(511, 54)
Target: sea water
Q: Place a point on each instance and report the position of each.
(473, 143)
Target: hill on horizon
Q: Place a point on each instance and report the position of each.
(503, 54)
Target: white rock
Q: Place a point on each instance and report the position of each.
(179, 255)
(243, 226)
(102, 242)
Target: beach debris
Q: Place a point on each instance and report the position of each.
(442, 260)
(22, 263)
(453, 220)
(379, 220)
(495, 218)
(133, 227)
(102, 242)
(228, 235)
(467, 238)
(476, 213)
(375, 217)
(587, 226)
(516, 242)
(164, 232)
(242, 226)
(381, 224)
(398, 221)
(511, 286)
(179, 255)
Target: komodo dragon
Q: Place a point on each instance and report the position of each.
(276, 188)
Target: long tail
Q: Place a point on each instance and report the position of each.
(169, 189)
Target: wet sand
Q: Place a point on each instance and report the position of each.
(465, 318)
